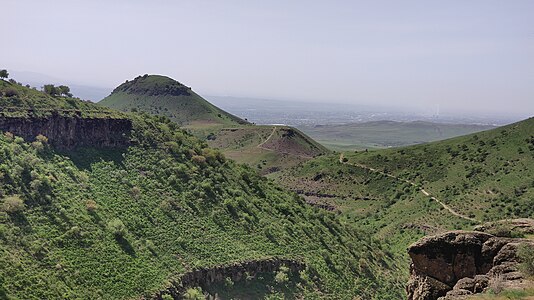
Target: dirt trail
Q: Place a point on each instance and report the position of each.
(422, 190)
(260, 145)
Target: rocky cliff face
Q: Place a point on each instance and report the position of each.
(459, 263)
(68, 132)
(236, 272)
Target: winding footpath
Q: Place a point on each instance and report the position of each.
(422, 190)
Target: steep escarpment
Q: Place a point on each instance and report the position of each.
(68, 132)
(460, 263)
(236, 272)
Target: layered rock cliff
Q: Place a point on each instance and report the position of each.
(458, 263)
(70, 131)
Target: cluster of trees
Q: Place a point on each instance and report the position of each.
(4, 74)
(53, 90)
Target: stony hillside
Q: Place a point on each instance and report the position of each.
(165, 215)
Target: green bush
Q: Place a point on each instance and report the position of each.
(194, 294)
(117, 227)
(13, 204)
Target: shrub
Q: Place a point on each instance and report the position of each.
(136, 192)
(281, 276)
(526, 256)
(194, 294)
(199, 159)
(13, 204)
(117, 227)
(228, 282)
(41, 138)
(10, 92)
(91, 205)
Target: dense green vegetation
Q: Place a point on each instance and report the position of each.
(123, 223)
(17, 100)
(384, 134)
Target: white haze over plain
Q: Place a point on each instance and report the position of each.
(473, 56)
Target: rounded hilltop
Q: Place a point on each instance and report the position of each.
(162, 95)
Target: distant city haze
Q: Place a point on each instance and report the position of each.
(461, 56)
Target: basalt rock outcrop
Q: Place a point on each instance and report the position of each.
(70, 131)
(236, 272)
(459, 263)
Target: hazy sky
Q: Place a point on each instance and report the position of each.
(461, 55)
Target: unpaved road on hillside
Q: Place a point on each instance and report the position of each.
(422, 190)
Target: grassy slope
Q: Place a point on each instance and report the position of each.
(183, 206)
(488, 175)
(236, 138)
(383, 134)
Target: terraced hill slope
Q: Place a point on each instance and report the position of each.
(266, 148)
(150, 218)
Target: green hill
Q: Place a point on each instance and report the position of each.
(401, 194)
(161, 95)
(123, 223)
(266, 148)
(385, 134)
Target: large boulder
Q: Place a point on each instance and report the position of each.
(450, 256)
(455, 264)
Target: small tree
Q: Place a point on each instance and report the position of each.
(64, 90)
(13, 204)
(117, 227)
(91, 205)
(4, 74)
(50, 89)
(194, 294)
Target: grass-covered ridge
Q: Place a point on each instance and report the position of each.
(122, 224)
(487, 175)
(483, 176)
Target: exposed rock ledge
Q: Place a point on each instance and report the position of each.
(68, 132)
(236, 271)
(458, 263)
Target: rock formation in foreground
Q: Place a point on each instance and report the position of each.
(459, 263)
